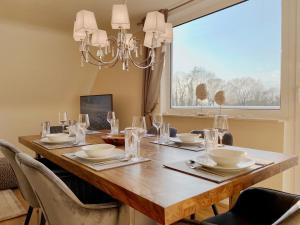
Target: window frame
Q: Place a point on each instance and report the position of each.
(201, 10)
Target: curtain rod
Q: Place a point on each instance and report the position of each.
(180, 5)
(169, 10)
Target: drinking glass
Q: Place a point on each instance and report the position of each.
(114, 126)
(165, 133)
(221, 123)
(130, 143)
(110, 117)
(157, 121)
(140, 129)
(72, 128)
(45, 128)
(63, 118)
(211, 139)
(79, 134)
(84, 121)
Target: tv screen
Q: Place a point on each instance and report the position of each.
(96, 106)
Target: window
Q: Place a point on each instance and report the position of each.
(237, 49)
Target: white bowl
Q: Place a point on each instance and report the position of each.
(99, 150)
(187, 137)
(226, 157)
(57, 137)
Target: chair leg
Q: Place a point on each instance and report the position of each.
(43, 220)
(28, 216)
(214, 208)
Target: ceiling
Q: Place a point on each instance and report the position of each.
(60, 14)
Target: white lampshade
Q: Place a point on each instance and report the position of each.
(167, 36)
(149, 39)
(155, 22)
(99, 38)
(120, 17)
(86, 22)
(78, 36)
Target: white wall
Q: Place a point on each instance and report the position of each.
(40, 75)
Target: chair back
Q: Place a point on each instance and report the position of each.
(275, 205)
(59, 204)
(9, 151)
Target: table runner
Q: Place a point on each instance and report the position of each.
(100, 166)
(58, 146)
(182, 166)
(194, 148)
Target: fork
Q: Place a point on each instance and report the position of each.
(193, 165)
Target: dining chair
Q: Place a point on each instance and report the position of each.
(61, 206)
(9, 151)
(259, 206)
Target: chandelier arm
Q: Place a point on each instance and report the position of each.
(95, 64)
(139, 65)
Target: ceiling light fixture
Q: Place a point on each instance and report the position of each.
(125, 47)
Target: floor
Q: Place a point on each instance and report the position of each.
(34, 221)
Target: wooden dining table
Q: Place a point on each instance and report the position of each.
(163, 194)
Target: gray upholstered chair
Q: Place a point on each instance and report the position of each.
(60, 206)
(9, 151)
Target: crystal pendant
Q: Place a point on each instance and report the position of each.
(141, 49)
(81, 61)
(86, 56)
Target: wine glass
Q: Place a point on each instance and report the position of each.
(84, 121)
(110, 116)
(157, 121)
(63, 118)
(221, 123)
(140, 129)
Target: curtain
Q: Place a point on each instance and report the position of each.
(152, 80)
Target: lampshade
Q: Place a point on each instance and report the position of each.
(99, 38)
(78, 36)
(167, 36)
(155, 22)
(120, 17)
(149, 39)
(86, 22)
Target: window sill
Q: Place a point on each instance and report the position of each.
(211, 116)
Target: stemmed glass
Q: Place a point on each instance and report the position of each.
(84, 121)
(140, 129)
(63, 118)
(221, 123)
(110, 117)
(157, 121)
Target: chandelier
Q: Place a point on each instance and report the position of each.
(98, 49)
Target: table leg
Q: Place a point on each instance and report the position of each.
(233, 199)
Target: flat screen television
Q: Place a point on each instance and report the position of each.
(97, 106)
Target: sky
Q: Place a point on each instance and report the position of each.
(243, 40)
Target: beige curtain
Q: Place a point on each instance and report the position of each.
(152, 81)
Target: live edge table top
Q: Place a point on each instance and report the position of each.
(162, 194)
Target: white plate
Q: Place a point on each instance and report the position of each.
(195, 142)
(67, 140)
(114, 154)
(209, 163)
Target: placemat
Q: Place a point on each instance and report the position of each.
(194, 148)
(182, 166)
(105, 165)
(58, 146)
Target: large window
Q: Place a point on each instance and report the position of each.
(237, 49)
